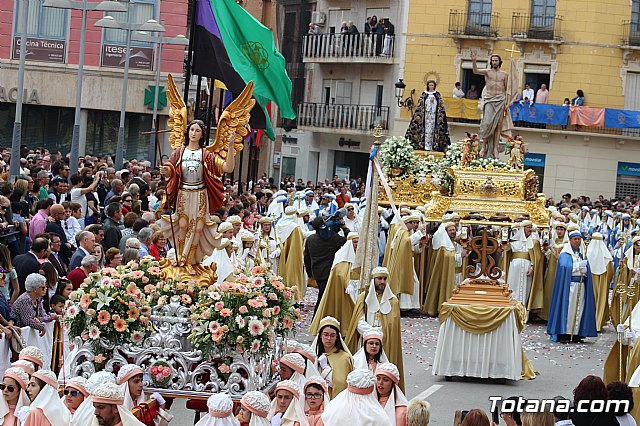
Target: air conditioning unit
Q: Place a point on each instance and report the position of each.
(319, 18)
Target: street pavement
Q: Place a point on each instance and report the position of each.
(561, 367)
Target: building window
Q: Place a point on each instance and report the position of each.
(536, 75)
(479, 17)
(542, 20)
(288, 167)
(468, 78)
(336, 92)
(42, 22)
(141, 12)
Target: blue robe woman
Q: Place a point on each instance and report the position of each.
(428, 129)
(559, 310)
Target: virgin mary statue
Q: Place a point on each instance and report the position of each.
(428, 129)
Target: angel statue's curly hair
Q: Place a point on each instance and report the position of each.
(202, 141)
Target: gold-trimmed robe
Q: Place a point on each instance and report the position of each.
(441, 278)
(291, 263)
(391, 332)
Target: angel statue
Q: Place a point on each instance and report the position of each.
(193, 173)
(516, 147)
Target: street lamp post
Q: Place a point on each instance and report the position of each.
(159, 40)
(109, 22)
(84, 6)
(14, 166)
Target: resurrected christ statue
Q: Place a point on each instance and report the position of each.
(494, 104)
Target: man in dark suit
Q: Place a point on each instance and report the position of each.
(29, 263)
(55, 258)
(86, 244)
(54, 226)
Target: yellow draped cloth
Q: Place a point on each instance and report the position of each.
(290, 266)
(400, 263)
(341, 365)
(550, 279)
(391, 332)
(601, 290)
(482, 319)
(462, 108)
(612, 371)
(336, 302)
(624, 277)
(441, 278)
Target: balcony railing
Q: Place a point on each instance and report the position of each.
(348, 117)
(473, 23)
(630, 33)
(348, 46)
(537, 27)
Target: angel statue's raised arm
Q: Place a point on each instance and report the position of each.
(193, 173)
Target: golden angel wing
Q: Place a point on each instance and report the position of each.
(234, 118)
(177, 114)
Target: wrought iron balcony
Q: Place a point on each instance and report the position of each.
(348, 48)
(358, 118)
(536, 27)
(481, 24)
(630, 33)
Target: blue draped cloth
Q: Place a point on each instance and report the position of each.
(560, 301)
(621, 119)
(540, 113)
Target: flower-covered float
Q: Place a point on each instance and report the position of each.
(191, 338)
(460, 180)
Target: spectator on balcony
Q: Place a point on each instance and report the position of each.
(344, 28)
(578, 100)
(472, 93)
(389, 34)
(542, 97)
(377, 35)
(458, 93)
(528, 93)
(367, 25)
(314, 29)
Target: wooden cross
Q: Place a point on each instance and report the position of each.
(512, 50)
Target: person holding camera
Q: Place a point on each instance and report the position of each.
(321, 248)
(81, 187)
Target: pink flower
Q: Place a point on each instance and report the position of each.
(242, 278)
(224, 369)
(277, 285)
(219, 305)
(149, 288)
(267, 313)
(134, 266)
(214, 326)
(91, 312)
(154, 370)
(137, 336)
(85, 301)
(226, 312)
(154, 270)
(72, 311)
(240, 321)
(243, 309)
(287, 322)
(99, 358)
(186, 299)
(145, 280)
(273, 296)
(257, 270)
(117, 283)
(255, 327)
(255, 303)
(206, 314)
(276, 310)
(287, 294)
(159, 378)
(132, 290)
(255, 345)
(258, 281)
(239, 340)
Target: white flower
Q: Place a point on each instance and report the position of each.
(103, 299)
